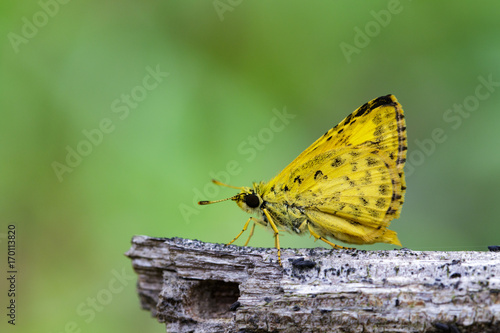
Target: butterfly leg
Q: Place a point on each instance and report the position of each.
(242, 231)
(251, 234)
(315, 235)
(276, 234)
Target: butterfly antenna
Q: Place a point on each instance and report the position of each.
(207, 202)
(215, 181)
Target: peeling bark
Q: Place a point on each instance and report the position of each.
(193, 286)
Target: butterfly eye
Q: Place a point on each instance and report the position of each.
(252, 200)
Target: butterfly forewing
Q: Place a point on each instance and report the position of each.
(379, 122)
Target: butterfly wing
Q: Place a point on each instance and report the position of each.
(379, 122)
(350, 183)
(350, 194)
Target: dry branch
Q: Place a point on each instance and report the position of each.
(193, 286)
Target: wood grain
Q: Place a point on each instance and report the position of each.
(193, 286)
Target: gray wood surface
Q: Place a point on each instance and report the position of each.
(193, 286)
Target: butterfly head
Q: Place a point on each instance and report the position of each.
(248, 199)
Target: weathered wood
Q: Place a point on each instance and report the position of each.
(202, 287)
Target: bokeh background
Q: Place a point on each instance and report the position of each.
(116, 115)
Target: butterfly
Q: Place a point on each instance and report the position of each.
(348, 185)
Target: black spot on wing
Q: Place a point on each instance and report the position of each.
(364, 202)
(298, 180)
(396, 197)
(348, 119)
(377, 119)
(384, 100)
(381, 202)
(390, 211)
(379, 130)
(338, 161)
(383, 189)
(354, 153)
(370, 161)
(351, 183)
(362, 110)
(354, 211)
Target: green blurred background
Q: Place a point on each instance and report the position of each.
(67, 69)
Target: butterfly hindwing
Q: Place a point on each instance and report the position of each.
(352, 183)
(350, 194)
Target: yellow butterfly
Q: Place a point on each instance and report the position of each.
(348, 185)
